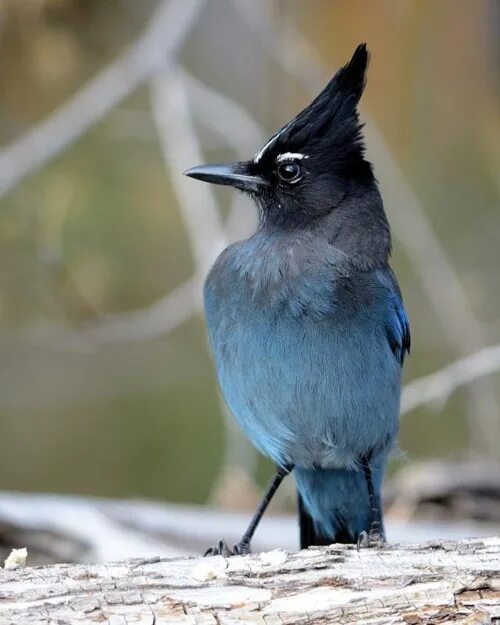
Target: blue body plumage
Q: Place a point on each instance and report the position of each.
(305, 318)
(305, 359)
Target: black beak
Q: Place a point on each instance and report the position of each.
(234, 174)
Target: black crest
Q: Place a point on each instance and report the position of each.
(331, 120)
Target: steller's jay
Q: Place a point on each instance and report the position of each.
(305, 318)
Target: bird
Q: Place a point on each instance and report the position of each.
(306, 321)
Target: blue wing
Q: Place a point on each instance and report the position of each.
(398, 326)
(399, 331)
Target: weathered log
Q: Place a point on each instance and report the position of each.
(437, 582)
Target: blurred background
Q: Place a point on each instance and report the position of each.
(106, 385)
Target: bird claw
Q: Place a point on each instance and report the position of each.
(222, 549)
(370, 540)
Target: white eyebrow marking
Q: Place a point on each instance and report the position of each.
(260, 153)
(274, 138)
(290, 156)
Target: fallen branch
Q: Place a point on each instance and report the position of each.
(71, 528)
(441, 582)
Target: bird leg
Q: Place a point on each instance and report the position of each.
(243, 546)
(375, 537)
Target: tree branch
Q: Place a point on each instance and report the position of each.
(158, 319)
(438, 386)
(159, 42)
(180, 148)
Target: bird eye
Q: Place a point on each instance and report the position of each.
(289, 171)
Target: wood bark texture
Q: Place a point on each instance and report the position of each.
(438, 582)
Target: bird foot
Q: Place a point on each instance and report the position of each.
(371, 540)
(221, 549)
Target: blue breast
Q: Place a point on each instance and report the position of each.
(302, 354)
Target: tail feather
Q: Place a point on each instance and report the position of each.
(334, 505)
(309, 535)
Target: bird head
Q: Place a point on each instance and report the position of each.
(306, 169)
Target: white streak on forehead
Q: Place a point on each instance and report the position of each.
(274, 138)
(290, 156)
